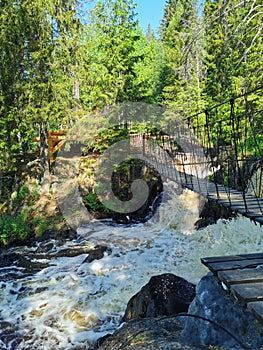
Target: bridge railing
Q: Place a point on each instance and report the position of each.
(230, 168)
(232, 136)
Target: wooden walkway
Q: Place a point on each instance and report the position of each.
(242, 275)
(243, 203)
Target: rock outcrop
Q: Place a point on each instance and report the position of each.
(166, 294)
(237, 329)
(214, 320)
(149, 316)
(148, 334)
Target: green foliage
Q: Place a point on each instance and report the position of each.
(37, 76)
(251, 146)
(143, 127)
(13, 229)
(125, 166)
(232, 45)
(114, 35)
(182, 64)
(56, 67)
(24, 195)
(21, 196)
(106, 138)
(40, 226)
(93, 204)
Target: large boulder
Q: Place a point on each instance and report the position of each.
(165, 294)
(237, 329)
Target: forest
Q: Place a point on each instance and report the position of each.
(62, 59)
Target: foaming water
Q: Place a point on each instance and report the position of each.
(70, 303)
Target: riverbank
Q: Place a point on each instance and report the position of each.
(33, 215)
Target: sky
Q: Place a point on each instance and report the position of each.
(150, 11)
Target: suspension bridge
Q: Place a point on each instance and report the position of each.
(222, 161)
(217, 153)
(229, 171)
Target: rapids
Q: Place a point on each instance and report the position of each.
(68, 304)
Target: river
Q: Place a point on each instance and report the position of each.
(70, 303)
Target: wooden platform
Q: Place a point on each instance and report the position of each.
(242, 275)
(55, 140)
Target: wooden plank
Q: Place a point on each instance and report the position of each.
(248, 213)
(250, 203)
(221, 258)
(248, 292)
(257, 309)
(241, 276)
(254, 215)
(233, 265)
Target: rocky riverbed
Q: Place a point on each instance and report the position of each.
(69, 292)
(170, 313)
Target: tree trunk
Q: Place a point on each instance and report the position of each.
(44, 156)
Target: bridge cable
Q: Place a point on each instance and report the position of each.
(227, 101)
(243, 129)
(234, 134)
(257, 187)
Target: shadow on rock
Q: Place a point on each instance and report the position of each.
(150, 317)
(165, 294)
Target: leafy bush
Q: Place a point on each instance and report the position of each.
(12, 229)
(24, 195)
(93, 204)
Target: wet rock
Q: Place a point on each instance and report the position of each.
(66, 234)
(101, 340)
(121, 183)
(12, 342)
(71, 252)
(212, 212)
(10, 259)
(96, 254)
(46, 247)
(215, 304)
(147, 334)
(165, 294)
(46, 236)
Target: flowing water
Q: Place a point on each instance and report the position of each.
(67, 303)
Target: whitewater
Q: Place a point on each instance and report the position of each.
(69, 304)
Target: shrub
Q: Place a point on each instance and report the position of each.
(12, 229)
(93, 204)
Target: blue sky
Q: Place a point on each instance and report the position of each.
(150, 11)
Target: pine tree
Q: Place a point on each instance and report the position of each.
(233, 45)
(182, 71)
(14, 32)
(115, 33)
(37, 52)
(146, 84)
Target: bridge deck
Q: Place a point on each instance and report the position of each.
(242, 203)
(242, 275)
